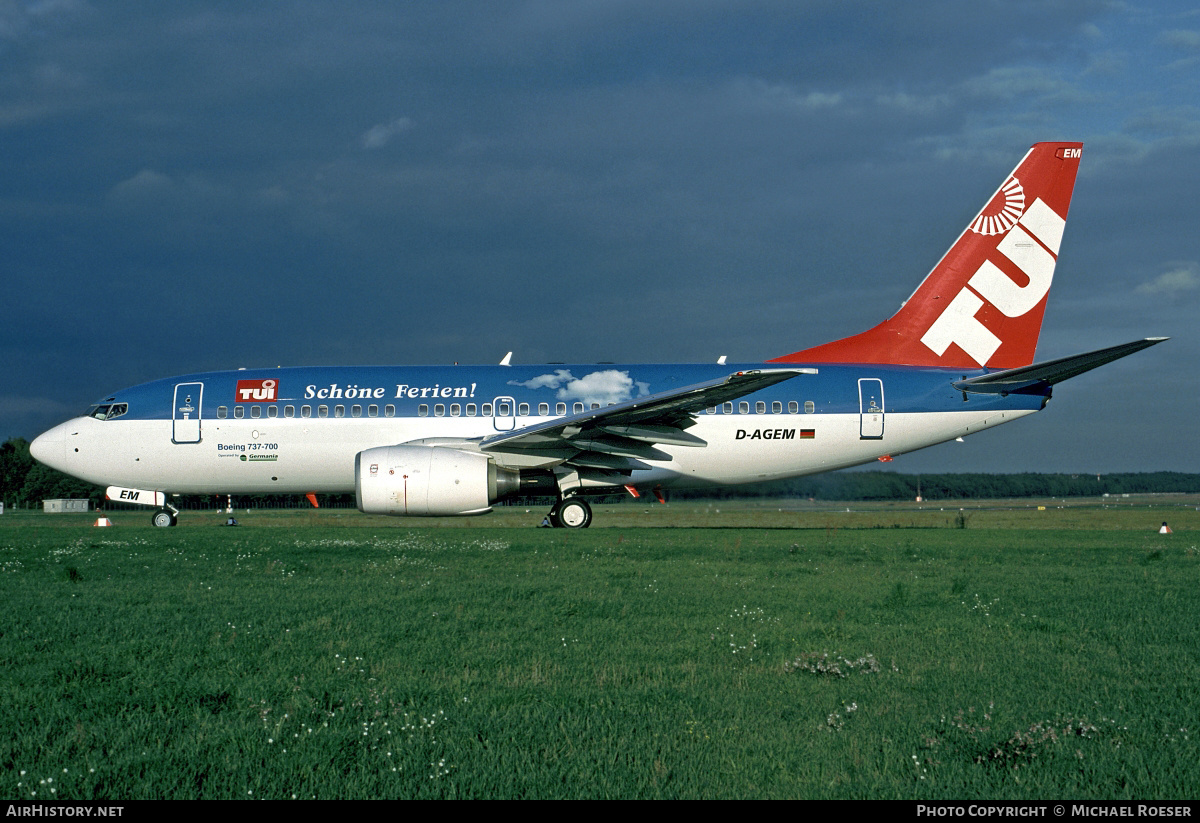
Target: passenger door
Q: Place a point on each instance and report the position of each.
(870, 408)
(185, 413)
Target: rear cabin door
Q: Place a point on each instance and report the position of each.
(185, 415)
(870, 408)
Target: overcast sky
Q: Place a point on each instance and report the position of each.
(191, 186)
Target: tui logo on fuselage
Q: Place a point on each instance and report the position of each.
(256, 391)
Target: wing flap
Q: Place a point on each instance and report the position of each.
(612, 462)
(621, 447)
(663, 435)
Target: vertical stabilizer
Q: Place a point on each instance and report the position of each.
(982, 304)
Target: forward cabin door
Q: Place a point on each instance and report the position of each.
(185, 414)
(870, 408)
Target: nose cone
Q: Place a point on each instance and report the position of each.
(48, 448)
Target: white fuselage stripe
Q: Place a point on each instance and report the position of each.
(317, 455)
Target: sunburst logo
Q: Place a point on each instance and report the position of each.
(1002, 213)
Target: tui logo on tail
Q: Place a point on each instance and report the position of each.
(1030, 244)
(982, 305)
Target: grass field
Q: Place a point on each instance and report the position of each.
(771, 650)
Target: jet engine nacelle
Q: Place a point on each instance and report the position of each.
(423, 481)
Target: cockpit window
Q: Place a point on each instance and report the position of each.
(108, 411)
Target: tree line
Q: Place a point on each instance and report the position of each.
(880, 485)
(25, 482)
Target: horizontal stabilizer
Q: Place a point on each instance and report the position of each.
(1052, 371)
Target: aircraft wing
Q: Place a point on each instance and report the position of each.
(1050, 372)
(614, 437)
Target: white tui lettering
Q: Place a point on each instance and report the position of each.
(1031, 246)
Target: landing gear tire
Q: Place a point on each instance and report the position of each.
(163, 518)
(573, 514)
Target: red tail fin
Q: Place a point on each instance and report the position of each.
(982, 304)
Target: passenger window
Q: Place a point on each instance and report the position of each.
(423, 410)
(222, 412)
(711, 410)
(306, 411)
(455, 410)
(760, 407)
(595, 405)
(272, 411)
(389, 410)
(256, 412)
(339, 411)
(809, 407)
(372, 410)
(744, 407)
(487, 409)
(239, 412)
(471, 410)
(544, 409)
(322, 411)
(560, 409)
(776, 407)
(578, 407)
(727, 408)
(523, 409)
(356, 410)
(289, 411)
(439, 410)
(792, 407)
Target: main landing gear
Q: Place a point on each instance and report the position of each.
(571, 513)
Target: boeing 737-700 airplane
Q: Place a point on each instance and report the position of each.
(956, 358)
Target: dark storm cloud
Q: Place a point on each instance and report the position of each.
(206, 185)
